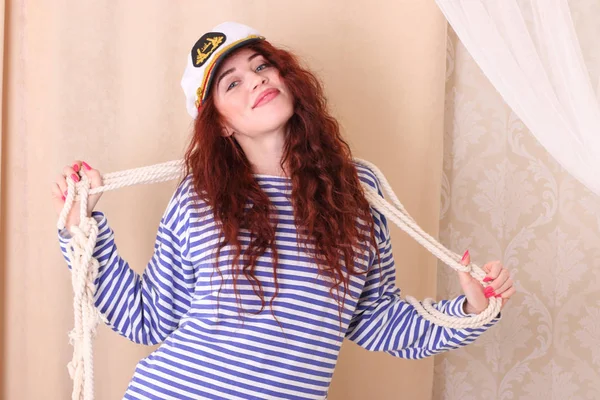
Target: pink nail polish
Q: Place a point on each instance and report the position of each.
(498, 295)
(465, 255)
(66, 192)
(490, 294)
(75, 177)
(487, 279)
(86, 165)
(63, 198)
(76, 167)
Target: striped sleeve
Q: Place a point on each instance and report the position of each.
(383, 321)
(144, 308)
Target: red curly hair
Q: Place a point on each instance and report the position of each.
(330, 209)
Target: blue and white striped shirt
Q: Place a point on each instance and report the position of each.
(207, 352)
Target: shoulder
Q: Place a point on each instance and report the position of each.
(185, 187)
(184, 198)
(367, 175)
(191, 205)
(182, 194)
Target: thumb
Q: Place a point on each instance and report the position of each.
(466, 260)
(93, 175)
(465, 277)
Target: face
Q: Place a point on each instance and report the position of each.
(251, 96)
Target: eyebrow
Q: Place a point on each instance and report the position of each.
(230, 70)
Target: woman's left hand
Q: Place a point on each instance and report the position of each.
(501, 286)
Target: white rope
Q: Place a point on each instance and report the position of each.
(85, 266)
(400, 216)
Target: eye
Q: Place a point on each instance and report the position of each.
(232, 85)
(262, 66)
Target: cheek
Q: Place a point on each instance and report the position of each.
(276, 79)
(281, 83)
(232, 106)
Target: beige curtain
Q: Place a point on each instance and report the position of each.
(99, 81)
(504, 197)
(2, 203)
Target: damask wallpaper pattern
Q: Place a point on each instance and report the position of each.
(504, 197)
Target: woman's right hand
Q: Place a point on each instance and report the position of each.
(59, 190)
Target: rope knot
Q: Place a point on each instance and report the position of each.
(74, 337)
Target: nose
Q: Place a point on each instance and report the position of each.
(258, 80)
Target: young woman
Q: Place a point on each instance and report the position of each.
(268, 254)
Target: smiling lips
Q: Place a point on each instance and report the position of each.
(265, 97)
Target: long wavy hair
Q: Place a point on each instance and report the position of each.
(331, 213)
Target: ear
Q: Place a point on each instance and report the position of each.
(226, 131)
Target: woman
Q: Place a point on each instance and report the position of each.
(268, 254)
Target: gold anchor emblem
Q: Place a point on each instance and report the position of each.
(209, 46)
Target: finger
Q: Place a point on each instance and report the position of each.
(86, 166)
(466, 258)
(464, 277)
(507, 295)
(61, 183)
(69, 172)
(57, 193)
(487, 267)
(76, 166)
(493, 269)
(497, 267)
(501, 280)
(504, 282)
(93, 175)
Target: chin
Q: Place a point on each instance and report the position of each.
(275, 117)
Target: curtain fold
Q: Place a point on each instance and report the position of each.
(2, 189)
(529, 50)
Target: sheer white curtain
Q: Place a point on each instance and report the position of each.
(530, 52)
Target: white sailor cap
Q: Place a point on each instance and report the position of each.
(205, 57)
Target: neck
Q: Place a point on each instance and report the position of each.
(265, 152)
